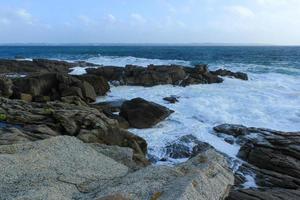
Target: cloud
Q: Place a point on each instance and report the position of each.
(11, 16)
(111, 18)
(240, 11)
(138, 18)
(24, 15)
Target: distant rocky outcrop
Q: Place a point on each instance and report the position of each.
(143, 114)
(274, 158)
(65, 168)
(162, 74)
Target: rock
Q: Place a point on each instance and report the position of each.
(273, 156)
(266, 194)
(88, 124)
(204, 177)
(37, 65)
(171, 99)
(156, 75)
(6, 87)
(99, 83)
(224, 72)
(109, 106)
(52, 169)
(63, 167)
(53, 86)
(185, 147)
(143, 114)
(25, 97)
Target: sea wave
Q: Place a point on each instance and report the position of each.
(122, 61)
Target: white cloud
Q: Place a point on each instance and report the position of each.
(4, 21)
(138, 18)
(240, 11)
(111, 18)
(24, 15)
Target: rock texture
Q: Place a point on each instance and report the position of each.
(273, 156)
(185, 147)
(6, 86)
(143, 114)
(54, 86)
(43, 120)
(83, 172)
(157, 75)
(37, 65)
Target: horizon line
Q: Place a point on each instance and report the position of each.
(139, 44)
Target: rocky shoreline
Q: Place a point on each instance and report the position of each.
(82, 150)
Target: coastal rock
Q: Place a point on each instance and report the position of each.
(185, 147)
(224, 72)
(273, 156)
(82, 171)
(99, 83)
(55, 86)
(266, 194)
(88, 124)
(204, 177)
(36, 65)
(171, 99)
(52, 169)
(5, 87)
(143, 114)
(157, 75)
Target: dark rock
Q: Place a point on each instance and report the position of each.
(157, 75)
(171, 99)
(5, 87)
(185, 147)
(53, 86)
(111, 106)
(224, 72)
(264, 194)
(273, 156)
(143, 114)
(99, 83)
(37, 65)
(40, 120)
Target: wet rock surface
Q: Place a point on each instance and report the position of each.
(224, 72)
(274, 158)
(186, 147)
(143, 114)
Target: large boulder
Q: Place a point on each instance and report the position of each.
(143, 114)
(66, 168)
(55, 86)
(52, 169)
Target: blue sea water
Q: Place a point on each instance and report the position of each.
(278, 59)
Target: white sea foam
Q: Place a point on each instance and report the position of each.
(129, 60)
(266, 100)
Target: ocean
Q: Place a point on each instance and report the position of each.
(270, 99)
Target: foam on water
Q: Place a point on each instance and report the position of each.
(266, 100)
(121, 61)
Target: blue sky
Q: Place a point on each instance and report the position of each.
(150, 21)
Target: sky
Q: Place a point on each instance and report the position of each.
(150, 21)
